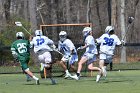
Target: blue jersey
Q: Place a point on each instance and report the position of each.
(66, 47)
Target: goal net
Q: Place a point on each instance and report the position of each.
(74, 32)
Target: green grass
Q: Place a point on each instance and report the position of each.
(116, 82)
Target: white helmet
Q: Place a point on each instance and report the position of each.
(108, 29)
(62, 35)
(86, 31)
(20, 34)
(38, 33)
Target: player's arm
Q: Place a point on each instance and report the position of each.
(14, 53)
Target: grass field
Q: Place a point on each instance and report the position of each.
(116, 82)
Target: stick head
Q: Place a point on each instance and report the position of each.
(18, 24)
(130, 19)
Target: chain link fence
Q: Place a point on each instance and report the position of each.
(7, 65)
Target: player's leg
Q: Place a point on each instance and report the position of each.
(102, 64)
(99, 75)
(25, 68)
(62, 64)
(107, 61)
(72, 61)
(32, 75)
(48, 66)
(80, 65)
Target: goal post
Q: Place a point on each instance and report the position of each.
(74, 32)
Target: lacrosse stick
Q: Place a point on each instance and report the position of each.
(58, 51)
(130, 21)
(20, 25)
(38, 9)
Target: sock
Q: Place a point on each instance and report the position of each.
(28, 77)
(34, 77)
(78, 74)
(105, 67)
(67, 72)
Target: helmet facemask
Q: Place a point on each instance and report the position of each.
(38, 33)
(109, 29)
(62, 36)
(19, 35)
(86, 31)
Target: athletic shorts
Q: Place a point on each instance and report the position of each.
(71, 60)
(89, 56)
(106, 58)
(45, 57)
(91, 60)
(24, 63)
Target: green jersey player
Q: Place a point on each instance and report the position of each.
(21, 52)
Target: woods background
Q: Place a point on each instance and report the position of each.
(100, 13)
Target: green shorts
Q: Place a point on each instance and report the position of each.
(24, 63)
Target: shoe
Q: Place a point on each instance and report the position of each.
(75, 77)
(53, 82)
(37, 82)
(98, 78)
(28, 80)
(67, 75)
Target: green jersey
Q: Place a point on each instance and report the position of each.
(21, 49)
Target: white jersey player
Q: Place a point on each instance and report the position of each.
(90, 54)
(41, 46)
(67, 47)
(42, 49)
(108, 42)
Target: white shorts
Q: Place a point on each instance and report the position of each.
(106, 58)
(89, 56)
(71, 60)
(45, 57)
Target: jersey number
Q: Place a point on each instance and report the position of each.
(108, 41)
(40, 41)
(22, 47)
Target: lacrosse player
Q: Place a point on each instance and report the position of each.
(68, 49)
(21, 53)
(90, 54)
(42, 47)
(107, 42)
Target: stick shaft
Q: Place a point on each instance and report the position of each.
(26, 30)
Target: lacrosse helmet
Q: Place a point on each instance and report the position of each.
(108, 29)
(20, 35)
(38, 33)
(62, 35)
(86, 31)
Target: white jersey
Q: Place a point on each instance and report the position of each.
(107, 43)
(40, 43)
(66, 46)
(89, 41)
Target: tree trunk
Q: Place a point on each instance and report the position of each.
(122, 24)
(32, 12)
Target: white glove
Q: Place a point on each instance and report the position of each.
(67, 57)
(79, 48)
(53, 46)
(122, 42)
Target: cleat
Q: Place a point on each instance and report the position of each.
(53, 82)
(67, 75)
(98, 78)
(37, 82)
(28, 80)
(75, 77)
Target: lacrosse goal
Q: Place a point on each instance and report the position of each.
(74, 32)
